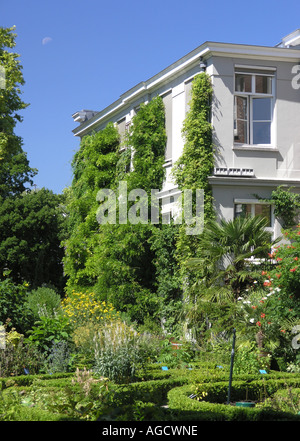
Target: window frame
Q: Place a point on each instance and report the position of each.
(271, 229)
(250, 97)
(254, 202)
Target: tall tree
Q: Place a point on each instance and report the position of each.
(31, 230)
(15, 172)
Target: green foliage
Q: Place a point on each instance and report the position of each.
(167, 277)
(60, 358)
(49, 330)
(147, 139)
(212, 410)
(224, 248)
(15, 357)
(93, 169)
(196, 162)
(119, 352)
(285, 400)
(172, 356)
(285, 273)
(286, 205)
(43, 301)
(15, 172)
(195, 165)
(13, 313)
(247, 360)
(115, 261)
(31, 229)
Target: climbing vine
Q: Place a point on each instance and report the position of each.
(286, 205)
(116, 261)
(195, 165)
(147, 139)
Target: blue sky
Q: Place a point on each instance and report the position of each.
(83, 55)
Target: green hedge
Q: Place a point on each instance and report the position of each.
(173, 387)
(27, 380)
(154, 391)
(185, 408)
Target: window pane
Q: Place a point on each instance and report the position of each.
(241, 120)
(261, 133)
(241, 108)
(261, 109)
(263, 84)
(243, 83)
(242, 210)
(240, 133)
(265, 211)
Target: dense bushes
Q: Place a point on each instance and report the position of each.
(83, 395)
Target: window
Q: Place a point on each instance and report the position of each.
(247, 207)
(167, 100)
(252, 208)
(253, 107)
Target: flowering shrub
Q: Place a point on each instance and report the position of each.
(286, 268)
(81, 308)
(259, 317)
(119, 351)
(271, 308)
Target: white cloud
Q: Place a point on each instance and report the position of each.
(46, 40)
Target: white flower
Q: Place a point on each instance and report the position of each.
(251, 320)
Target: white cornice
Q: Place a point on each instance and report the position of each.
(254, 182)
(206, 50)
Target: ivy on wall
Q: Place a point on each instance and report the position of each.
(286, 205)
(195, 165)
(116, 261)
(93, 168)
(135, 267)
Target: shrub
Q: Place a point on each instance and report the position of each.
(248, 360)
(60, 358)
(81, 308)
(49, 330)
(43, 301)
(13, 310)
(83, 337)
(118, 352)
(16, 357)
(286, 400)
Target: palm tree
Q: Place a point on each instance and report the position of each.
(225, 249)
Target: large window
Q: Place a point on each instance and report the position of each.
(253, 107)
(250, 209)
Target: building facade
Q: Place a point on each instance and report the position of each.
(255, 117)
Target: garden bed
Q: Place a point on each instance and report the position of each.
(176, 395)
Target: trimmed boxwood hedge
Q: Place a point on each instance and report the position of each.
(214, 409)
(172, 388)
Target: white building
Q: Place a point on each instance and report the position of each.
(255, 118)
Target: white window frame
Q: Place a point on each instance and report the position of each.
(271, 229)
(250, 96)
(254, 202)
